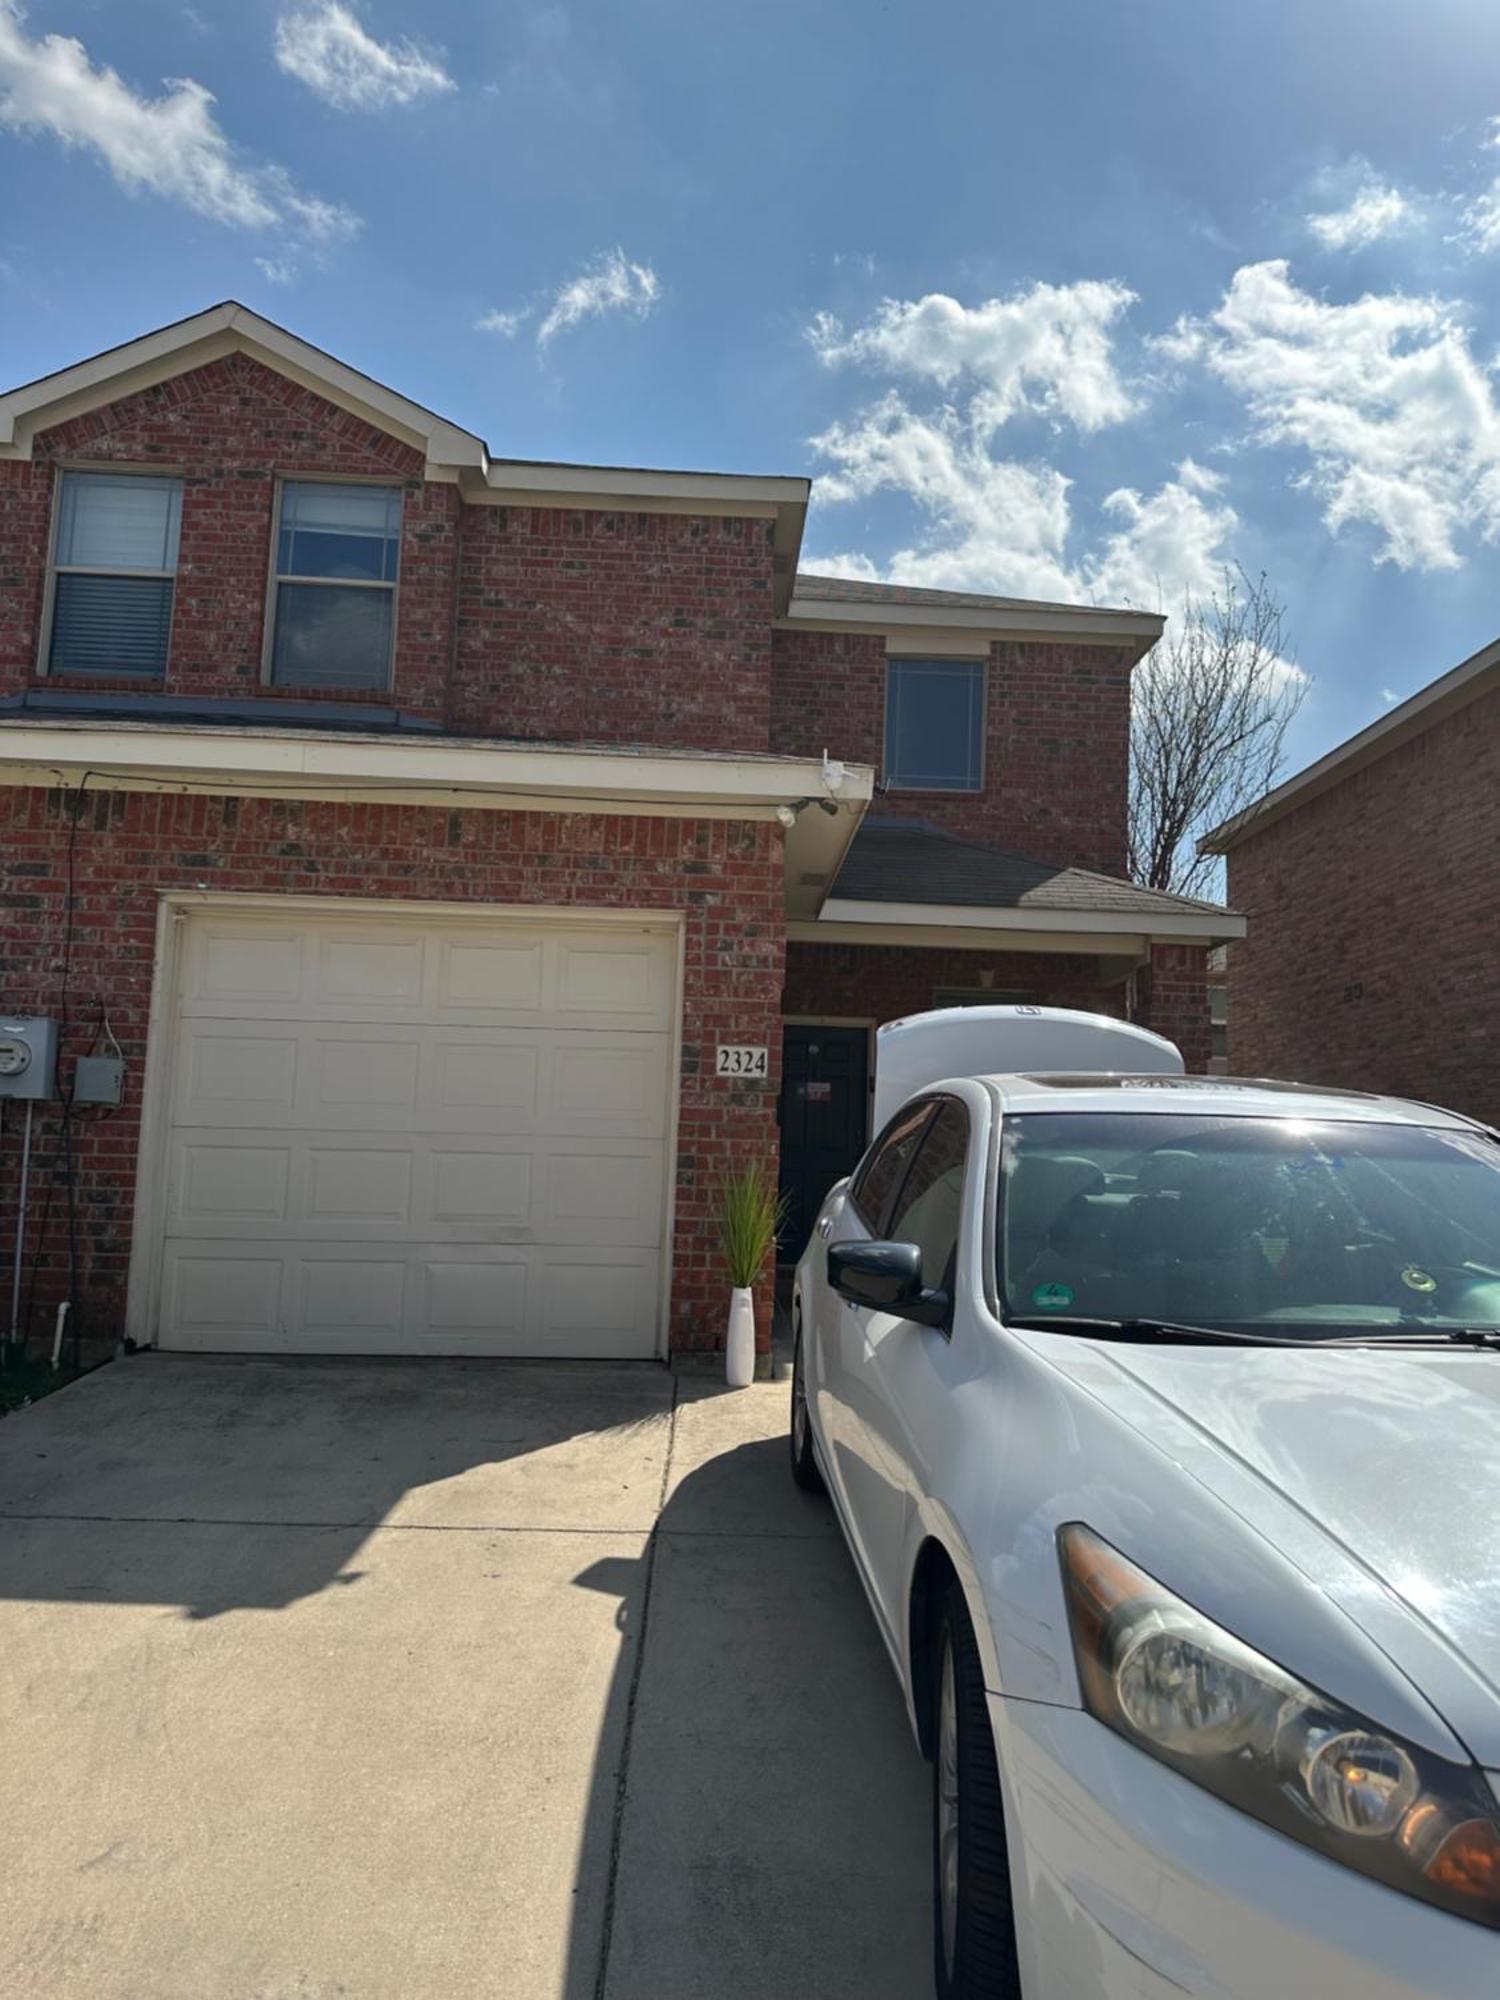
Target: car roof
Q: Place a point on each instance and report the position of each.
(1212, 1096)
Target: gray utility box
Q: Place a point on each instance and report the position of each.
(28, 1057)
(98, 1080)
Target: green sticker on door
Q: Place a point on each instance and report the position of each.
(1052, 1298)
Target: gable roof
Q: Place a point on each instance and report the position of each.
(911, 862)
(1477, 676)
(450, 452)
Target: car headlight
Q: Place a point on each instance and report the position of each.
(1193, 1695)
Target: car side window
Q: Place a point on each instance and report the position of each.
(886, 1163)
(928, 1207)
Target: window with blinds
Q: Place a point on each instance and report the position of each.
(334, 591)
(113, 569)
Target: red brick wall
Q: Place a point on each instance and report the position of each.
(885, 982)
(1056, 740)
(726, 877)
(1373, 955)
(511, 621)
(1172, 1000)
(230, 427)
(615, 628)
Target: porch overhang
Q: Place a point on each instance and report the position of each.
(1111, 934)
(818, 802)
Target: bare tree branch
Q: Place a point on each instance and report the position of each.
(1210, 709)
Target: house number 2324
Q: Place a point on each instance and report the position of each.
(735, 1059)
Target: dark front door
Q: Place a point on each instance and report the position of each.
(824, 1099)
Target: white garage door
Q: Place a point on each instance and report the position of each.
(408, 1135)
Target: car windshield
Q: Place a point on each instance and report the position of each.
(1299, 1227)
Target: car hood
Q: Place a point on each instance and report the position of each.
(1373, 1470)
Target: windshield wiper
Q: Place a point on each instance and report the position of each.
(1167, 1332)
(1175, 1333)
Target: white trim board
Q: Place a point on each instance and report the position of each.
(459, 774)
(1190, 926)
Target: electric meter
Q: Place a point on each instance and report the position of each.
(28, 1057)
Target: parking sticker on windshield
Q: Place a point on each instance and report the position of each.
(1052, 1298)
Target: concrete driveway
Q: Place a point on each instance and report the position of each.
(385, 1680)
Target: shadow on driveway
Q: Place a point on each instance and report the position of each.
(442, 1681)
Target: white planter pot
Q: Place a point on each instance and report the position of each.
(739, 1347)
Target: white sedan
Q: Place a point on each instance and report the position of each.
(1162, 1417)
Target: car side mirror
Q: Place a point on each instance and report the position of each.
(887, 1277)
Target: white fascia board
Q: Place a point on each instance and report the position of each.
(507, 481)
(1045, 622)
(224, 329)
(1184, 926)
(309, 761)
(1132, 947)
(317, 764)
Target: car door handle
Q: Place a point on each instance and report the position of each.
(825, 1227)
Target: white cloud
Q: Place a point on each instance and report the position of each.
(993, 522)
(1046, 350)
(612, 283)
(1001, 525)
(327, 47)
(171, 145)
(508, 324)
(276, 270)
(1377, 210)
(1383, 396)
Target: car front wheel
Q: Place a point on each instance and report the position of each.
(804, 1465)
(974, 1946)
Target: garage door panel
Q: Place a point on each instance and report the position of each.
(227, 967)
(609, 1083)
(234, 1078)
(612, 1198)
(471, 1305)
(595, 1309)
(368, 970)
(482, 1187)
(213, 1184)
(217, 1297)
(359, 1184)
(486, 1079)
(350, 1297)
(494, 974)
(418, 1135)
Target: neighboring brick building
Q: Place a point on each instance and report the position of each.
(449, 847)
(1370, 885)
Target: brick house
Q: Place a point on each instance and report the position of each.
(1370, 883)
(461, 851)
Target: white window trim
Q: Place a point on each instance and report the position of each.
(275, 581)
(892, 785)
(64, 470)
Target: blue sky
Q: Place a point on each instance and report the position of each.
(1063, 299)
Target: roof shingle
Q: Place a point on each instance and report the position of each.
(912, 861)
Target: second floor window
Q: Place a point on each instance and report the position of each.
(934, 725)
(333, 599)
(114, 566)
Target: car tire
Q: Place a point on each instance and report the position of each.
(804, 1461)
(974, 1932)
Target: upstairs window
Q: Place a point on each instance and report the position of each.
(113, 567)
(934, 725)
(333, 596)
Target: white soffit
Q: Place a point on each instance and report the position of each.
(488, 776)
